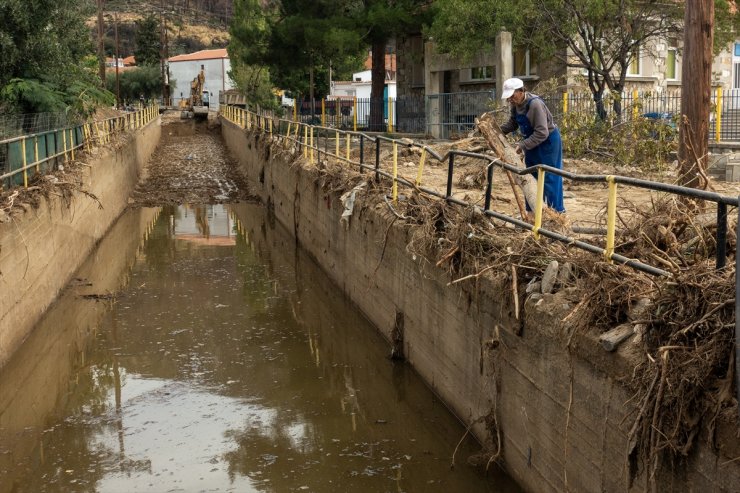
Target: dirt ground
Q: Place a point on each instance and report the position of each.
(190, 166)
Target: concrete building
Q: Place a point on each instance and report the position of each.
(184, 68)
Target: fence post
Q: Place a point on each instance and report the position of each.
(721, 235)
(635, 110)
(611, 218)
(718, 115)
(354, 113)
(295, 109)
(450, 169)
(390, 115)
(25, 162)
(565, 103)
(394, 187)
(36, 151)
(539, 203)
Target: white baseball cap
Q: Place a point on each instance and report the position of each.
(511, 85)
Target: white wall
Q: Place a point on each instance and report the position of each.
(217, 78)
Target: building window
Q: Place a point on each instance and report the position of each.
(670, 64)
(525, 64)
(737, 49)
(635, 64)
(481, 73)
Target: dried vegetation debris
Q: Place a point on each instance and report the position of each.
(683, 377)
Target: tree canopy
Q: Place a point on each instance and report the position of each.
(43, 67)
(600, 36)
(148, 46)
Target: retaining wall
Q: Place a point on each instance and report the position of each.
(42, 248)
(561, 414)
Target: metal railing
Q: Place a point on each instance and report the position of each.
(453, 114)
(23, 156)
(307, 138)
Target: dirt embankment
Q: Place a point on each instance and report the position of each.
(191, 165)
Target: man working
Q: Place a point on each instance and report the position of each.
(541, 144)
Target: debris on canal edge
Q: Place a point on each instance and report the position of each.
(681, 341)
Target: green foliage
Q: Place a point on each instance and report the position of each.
(599, 36)
(148, 46)
(649, 145)
(297, 39)
(146, 80)
(46, 63)
(254, 82)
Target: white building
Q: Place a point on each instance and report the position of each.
(184, 68)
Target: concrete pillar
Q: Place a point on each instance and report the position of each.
(433, 85)
(504, 60)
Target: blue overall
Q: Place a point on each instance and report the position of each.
(549, 152)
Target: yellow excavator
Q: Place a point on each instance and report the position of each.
(198, 102)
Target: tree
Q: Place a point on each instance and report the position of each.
(42, 67)
(293, 39)
(148, 44)
(146, 80)
(254, 82)
(602, 37)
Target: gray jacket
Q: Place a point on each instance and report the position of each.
(539, 117)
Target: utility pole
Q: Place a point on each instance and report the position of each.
(161, 47)
(101, 49)
(166, 102)
(696, 92)
(118, 81)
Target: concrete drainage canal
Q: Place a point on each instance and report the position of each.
(198, 349)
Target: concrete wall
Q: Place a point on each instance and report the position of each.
(560, 412)
(41, 249)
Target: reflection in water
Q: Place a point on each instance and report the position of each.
(229, 362)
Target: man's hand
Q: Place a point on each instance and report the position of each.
(519, 149)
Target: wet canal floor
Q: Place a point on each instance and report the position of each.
(200, 350)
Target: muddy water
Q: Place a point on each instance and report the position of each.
(226, 361)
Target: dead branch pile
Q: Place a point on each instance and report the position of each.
(685, 379)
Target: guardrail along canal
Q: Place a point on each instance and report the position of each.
(212, 355)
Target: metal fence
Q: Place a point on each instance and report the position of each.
(32, 123)
(24, 156)
(450, 115)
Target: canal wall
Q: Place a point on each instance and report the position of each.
(551, 401)
(38, 379)
(42, 248)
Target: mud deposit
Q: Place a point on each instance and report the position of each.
(190, 166)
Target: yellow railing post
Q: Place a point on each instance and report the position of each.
(421, 166)
(269, 125)
(311, 146)
(390, 115)
(354, 113)
(635, 103)
(64, 142)
(394, 188)
(25, 162)
(565, 102)
(72, 143)
(611, 215)
(305, 141)
(323, 112)
(540, 202)
(718, 116)
(287, 133)
(36, 152)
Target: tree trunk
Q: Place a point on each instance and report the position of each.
(496, 140)
(377, 103)
(696, 73)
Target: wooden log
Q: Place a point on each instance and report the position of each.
(611, 339)
(496, 140)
